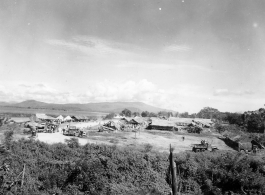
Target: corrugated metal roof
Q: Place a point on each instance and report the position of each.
(44, 116)
(19, 119)
(181, 120)
(164, 123)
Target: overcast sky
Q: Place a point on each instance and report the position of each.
(178, 54)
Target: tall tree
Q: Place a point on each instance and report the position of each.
(208, 112)
(145, 114)
(136, 114)
(109, 116)
(126, 112)
(184, 115)
(152, 114)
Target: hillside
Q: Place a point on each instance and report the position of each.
(91, 107)
(6, 103)
(119, 106)
(42, 105)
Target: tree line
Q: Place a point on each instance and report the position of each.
(128, 113)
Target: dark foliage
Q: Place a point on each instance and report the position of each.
(89, 169)
(217, 173)
(234, 118)
(208, 112)
(126, 112)
(109, 116)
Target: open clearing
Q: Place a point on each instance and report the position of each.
(160, 140)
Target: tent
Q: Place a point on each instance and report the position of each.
(68, 118)
(60, 118)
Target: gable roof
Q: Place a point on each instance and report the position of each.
(137, 120)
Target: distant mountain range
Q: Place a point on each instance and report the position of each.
(7, 103)
(90, 107)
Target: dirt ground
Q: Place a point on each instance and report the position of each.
(158, 139)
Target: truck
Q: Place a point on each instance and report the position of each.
(249, 147)
(80, 133)
(40, 125)
(70, 131)
(203, 146)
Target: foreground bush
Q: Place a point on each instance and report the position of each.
(217, 173)
(92, 169)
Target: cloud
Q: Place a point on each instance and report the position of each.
(176, 48)
(106, 91)
(91, 46)
(178, 65)
(226, 92)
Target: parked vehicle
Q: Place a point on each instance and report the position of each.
(249, 147)
(70, 131)
(40, 125)
(80, 133)
(203, 147)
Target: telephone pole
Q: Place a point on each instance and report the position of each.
(173, 171)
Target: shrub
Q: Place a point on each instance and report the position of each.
(72, 143)
(8, 137)
(148, 148)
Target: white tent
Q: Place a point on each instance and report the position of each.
(68, 118)
(60, 118)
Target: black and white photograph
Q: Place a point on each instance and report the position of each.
(132, 97)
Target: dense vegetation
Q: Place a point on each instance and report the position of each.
(215, 173)
(94, 169)
(90, 169)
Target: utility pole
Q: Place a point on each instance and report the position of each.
(173, 171)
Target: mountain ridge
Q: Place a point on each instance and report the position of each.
(91, 107)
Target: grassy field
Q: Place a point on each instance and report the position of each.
(4, 109)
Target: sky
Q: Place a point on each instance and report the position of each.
(181, 55)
